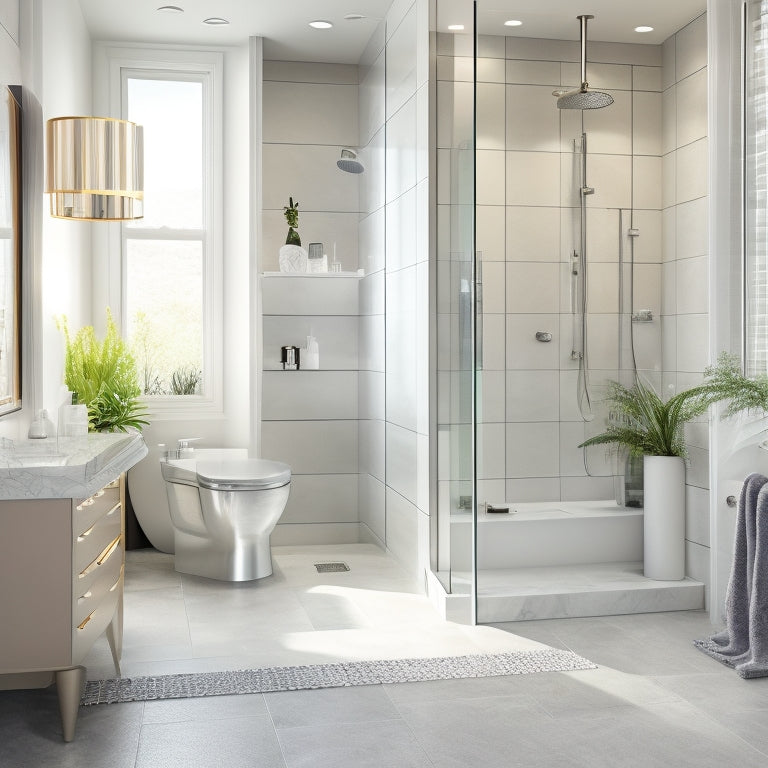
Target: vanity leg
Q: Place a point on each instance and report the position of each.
(69, 685)
(115, 636)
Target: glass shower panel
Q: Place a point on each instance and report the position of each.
(453, 557)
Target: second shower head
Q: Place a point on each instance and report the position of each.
(348, 162)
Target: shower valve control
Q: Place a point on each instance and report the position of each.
(731, 501)
(543, 336)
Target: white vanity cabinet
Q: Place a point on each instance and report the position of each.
(61, 586)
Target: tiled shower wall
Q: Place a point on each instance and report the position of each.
(394, 250)
(527, 231)
(685, 297)
(309, 418)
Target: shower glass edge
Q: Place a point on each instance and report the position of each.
(454, 556)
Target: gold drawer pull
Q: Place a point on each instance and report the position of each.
(86, 503)
(105, 553)
(82, 536)
(113, 510)
(108, 551)
(82, 624)
(116, 584)
(85, 596)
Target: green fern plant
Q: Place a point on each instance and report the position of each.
(646, 425)
(103, 376)
(728, 382)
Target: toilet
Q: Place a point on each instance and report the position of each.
(223, 510)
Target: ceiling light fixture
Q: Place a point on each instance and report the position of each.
(215, 21)
(456, 27)
(170, 9)
(354, 17)
(513, 23)
(643, 29)
(320, 24)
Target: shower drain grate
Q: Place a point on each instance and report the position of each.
(331, 567)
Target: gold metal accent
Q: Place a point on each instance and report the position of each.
(82, 624)
(85, 596)
(108, 551)
(95, 168)
(105, 553)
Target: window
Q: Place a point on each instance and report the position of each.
(170, 261)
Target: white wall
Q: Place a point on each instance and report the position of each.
(372, 241)
(407, 276)
(67, 267)
(308, 417)
(685, 304)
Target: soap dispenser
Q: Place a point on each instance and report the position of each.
(37, 428)
(310, 357)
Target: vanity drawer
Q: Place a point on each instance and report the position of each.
(94, 541)
(84, 633)
(91, 590)
(86, 512)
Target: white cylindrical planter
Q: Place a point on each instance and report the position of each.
(664, 518)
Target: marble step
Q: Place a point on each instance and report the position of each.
(599, 589)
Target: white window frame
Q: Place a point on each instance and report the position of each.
(124, 62)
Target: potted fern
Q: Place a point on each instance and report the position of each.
(103, 377)
(648, 426)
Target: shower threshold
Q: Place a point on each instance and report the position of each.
(559, 560)
(564, 591)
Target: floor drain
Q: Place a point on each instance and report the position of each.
(331, 567)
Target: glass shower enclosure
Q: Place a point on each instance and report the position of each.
(548, 279)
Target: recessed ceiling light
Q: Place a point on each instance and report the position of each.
(643, 29)
(513, 23)
(320, 24)
(456, 27)
(215, 21)
(170, 9)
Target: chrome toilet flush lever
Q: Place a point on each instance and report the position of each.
(183, 447)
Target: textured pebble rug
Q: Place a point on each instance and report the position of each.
(330, 676)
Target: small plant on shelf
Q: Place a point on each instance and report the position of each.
(103, 376)
(292, 217)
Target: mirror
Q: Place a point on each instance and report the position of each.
(10, 249)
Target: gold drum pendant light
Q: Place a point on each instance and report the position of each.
(95, 168)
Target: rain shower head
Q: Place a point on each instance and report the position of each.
(582, 97)
(348, 162)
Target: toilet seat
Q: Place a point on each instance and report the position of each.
(242, 474)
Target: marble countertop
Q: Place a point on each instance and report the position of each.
(66, 467)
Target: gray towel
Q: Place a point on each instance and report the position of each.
(744, 642)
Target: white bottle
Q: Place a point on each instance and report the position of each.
(310, 357)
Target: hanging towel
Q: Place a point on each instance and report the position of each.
(743, 644)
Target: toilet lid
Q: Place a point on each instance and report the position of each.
(242, 474)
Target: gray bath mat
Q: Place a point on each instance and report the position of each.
(330, 676)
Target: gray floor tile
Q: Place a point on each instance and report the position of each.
(31, 735)
(204, 708)
(354, 704)
(720, 689)
(234, 743)
(512, 687)
(750, 726)
(655, 736)
(493, 733)
(388, 744)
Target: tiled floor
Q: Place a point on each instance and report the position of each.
(653, 701)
